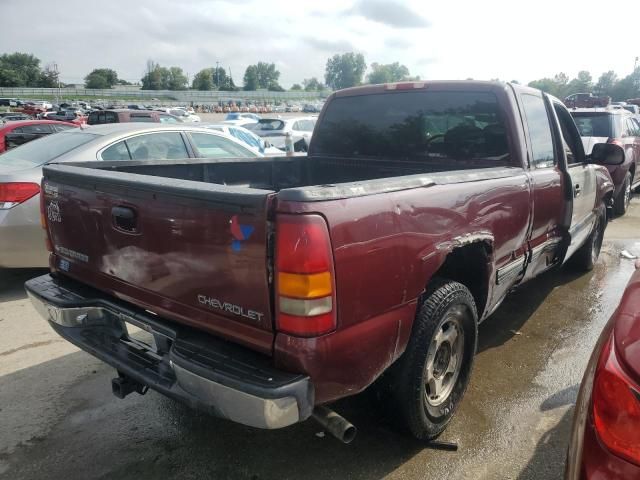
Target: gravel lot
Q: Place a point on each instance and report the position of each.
(59, 419)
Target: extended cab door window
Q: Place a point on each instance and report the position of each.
(539, 127)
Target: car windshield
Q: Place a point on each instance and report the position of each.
(46, 149)
(415, 125)
(266, 125)
(594, 124)
(233, 116)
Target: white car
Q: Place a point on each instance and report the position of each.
(253, 141)
(276, 129)
(182, 114)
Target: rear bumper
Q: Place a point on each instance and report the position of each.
(202, 371)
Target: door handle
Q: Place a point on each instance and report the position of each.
(576, 191)
(125, 219)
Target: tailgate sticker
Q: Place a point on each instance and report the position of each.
(71, 253)
(229, 307)
(53, 212)
(240, 233)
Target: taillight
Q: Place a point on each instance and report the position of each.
(304, 276)
(615, 141)
(12, 194)
(616, 407)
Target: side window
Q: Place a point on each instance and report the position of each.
(61, 128)
(297, 126)
(117, 151)
(110, 117)
(157, 146)
(38, 129)
(18, 130)
(571, 140)
(214, 146)
(539, 131)
(141, 118)
(631, 128)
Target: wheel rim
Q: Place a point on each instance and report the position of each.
(444, 359)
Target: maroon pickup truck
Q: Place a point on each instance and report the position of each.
(268, 288)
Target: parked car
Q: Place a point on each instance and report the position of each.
(242, 116)
(253, 141)
(272, 287)
(605, 436)
(183, 115)
(128, 115)
(276, 129)
(616, 126)
(17, 133)
(70, 116)
(13, 116)
(21, 238)
(8, 102)
(586, 100)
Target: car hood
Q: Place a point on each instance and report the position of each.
(627, 327)
(589, 142)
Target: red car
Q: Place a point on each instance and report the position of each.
(14, 134)
(605, 438)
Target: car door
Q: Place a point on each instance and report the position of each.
(581, 194)
(547, 185)
(633, 128)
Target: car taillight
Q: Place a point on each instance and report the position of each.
(304, 276)
(12, 194)
(615, 141)
(616, 407)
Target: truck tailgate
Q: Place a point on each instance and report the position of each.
(193, 252)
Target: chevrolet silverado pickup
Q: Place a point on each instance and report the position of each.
(264, 289)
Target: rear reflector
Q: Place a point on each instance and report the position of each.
(616, 407)
(12, 194)
(304, 286)
(304, 277)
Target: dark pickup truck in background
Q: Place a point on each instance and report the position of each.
(269, 288)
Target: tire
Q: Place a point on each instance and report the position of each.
(587, 255)
(621, 203)
(429, 380)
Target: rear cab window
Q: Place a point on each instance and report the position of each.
(595, 124)
(434, 127)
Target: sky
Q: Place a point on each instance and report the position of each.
(452, 39)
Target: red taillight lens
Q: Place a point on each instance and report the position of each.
(616, 407)
(11, 194)
(304, 276)
(615, 141)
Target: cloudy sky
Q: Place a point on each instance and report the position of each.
(436, 40)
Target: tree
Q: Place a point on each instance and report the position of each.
(296, 87)
(203, 80)
(251, 78)
(176, 79)
(392, 72)
(19, 70)
(101, 78)
(162, 78)
(313, 85)
(606, 83)
(557, 86)
(628, 87)
(262, 75)
(49, 78)
(345, 70)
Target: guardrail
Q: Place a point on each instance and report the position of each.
(196, 96)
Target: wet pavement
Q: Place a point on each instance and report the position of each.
(58, 418)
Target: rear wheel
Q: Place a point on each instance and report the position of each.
(429, 380)
(587, 255)
(624, 197)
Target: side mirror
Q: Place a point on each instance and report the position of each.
(607, 154)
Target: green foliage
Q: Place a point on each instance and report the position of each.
(262, 76)
(20, 70)
(345, 70)
(607, 85)
(296, 87)
(203, 80)
(392, 72)
(101, 78)
(162, 78)
(313, 85)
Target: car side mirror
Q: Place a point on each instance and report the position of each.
(607, 154)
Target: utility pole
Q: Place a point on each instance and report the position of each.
(55, 71)
(217, 78)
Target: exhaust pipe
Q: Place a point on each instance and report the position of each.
(335, 424)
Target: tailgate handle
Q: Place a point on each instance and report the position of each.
(125, 219)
